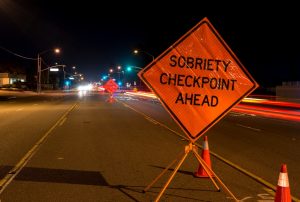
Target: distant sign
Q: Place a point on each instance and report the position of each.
(111, 86)
(198, 79)
(54, 69)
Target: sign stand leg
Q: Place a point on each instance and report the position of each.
(205, 167)
(187, 151)
(209, 172)
(110, 98)
(181, 158)
(163, 172)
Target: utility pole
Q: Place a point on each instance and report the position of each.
(39, 60)
(39, 68)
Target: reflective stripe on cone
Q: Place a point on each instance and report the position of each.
(283, 193)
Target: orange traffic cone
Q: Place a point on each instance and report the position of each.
(206, 157)
(283, 193)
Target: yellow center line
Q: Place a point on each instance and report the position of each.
(233, 165)
(18, 167)
(62, 121)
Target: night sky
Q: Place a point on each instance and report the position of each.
(95, 37)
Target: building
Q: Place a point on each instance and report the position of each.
(7, 78)
(290, 89)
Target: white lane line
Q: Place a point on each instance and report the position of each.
(240, 114)
(19, 109)
(244, 199)
(255, 129)
(236, 114)
(265, 198)
(269, 191)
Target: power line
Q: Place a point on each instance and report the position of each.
(18, 55)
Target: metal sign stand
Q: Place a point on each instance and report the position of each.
(110, 99)
(190, 147)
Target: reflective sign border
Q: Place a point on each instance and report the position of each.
(191, 31)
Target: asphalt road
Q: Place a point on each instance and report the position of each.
(23, 121)
(258, 144)
(69, 148)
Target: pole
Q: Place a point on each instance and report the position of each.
(140, 83)
(149, 55)
(39, 74)
(48, 72)
(187, 149)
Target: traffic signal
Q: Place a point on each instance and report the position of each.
(129, 69)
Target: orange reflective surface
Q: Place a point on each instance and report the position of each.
(198, 79)
(111, 86)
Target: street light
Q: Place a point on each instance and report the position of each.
(39, 66)
(119, 68)
(136, 51)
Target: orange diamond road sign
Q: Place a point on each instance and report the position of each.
(111, 86)
(198, 79)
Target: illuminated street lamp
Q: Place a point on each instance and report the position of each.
(119, 73)
(110, 73)
(136, 51)
(39, 66)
